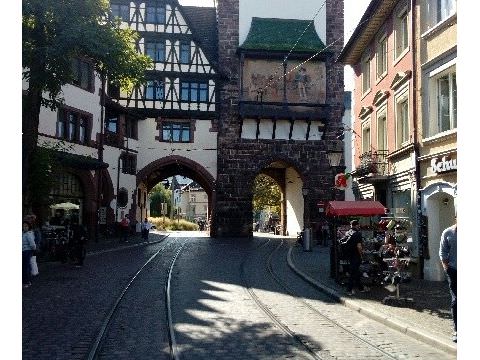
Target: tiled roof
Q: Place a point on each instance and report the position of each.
(203, 24)
(282, 35)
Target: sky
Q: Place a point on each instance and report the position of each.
(354, 10)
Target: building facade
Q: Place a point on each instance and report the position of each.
(198, 114)
(436, 58)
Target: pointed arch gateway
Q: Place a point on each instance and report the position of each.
(172, 165)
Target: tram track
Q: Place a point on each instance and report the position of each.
(96, 347)
(312, 350)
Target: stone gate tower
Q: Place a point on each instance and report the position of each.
(279, 114)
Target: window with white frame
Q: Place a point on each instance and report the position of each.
(382, 56)
(443, 100)
(382, 129)
(439, 10)
(402, 119)
(401, 32)
(365, 74)
(366, 141)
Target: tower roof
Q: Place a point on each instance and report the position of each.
(282, 35)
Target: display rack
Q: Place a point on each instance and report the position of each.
(397, 272)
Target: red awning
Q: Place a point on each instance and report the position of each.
(354, 208)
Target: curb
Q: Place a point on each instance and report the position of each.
(98, 252)
(374, 315)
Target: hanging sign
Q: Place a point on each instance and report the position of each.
(341, 181)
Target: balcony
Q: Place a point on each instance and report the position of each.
(373, 166)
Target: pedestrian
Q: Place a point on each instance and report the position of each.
(448, 257)
(354, 250)
(145, 227)
(78, 242)
(125, 228)
(325, 232)
(28, 247)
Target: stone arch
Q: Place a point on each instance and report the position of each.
(168, 166)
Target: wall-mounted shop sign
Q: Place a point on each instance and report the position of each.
(444, 164)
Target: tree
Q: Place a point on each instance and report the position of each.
(157, 196)
(54, 32)
(266, 194)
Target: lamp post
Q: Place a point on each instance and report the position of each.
(334, 158)
(125, 139)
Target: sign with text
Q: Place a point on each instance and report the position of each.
(444, 164)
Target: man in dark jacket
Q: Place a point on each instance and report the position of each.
(79, 239)
(353, 237)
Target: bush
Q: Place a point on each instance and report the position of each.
(169, 224)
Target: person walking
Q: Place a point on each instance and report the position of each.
(28, 247)
(448, 257)
(78, 240)
(145, 227)
(125, 228)
(354, 241)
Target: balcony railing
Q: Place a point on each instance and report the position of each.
(373, 162)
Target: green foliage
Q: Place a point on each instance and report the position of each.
(56, 31)
(157, 196)
(169, 224)
(266, 194)
(44, 169)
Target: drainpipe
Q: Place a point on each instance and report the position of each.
(416, 138)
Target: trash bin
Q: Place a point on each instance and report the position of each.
(307, 239)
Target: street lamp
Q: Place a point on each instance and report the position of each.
(334, 158)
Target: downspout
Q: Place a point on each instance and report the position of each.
(416, 151)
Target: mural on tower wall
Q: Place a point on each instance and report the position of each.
(305, 82)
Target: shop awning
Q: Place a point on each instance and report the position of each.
(354, 208)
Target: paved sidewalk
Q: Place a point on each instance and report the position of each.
(427, 319)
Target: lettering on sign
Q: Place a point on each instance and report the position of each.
(443, 165)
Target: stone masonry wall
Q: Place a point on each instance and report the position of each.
(241, 160)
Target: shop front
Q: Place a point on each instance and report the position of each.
(438, 207)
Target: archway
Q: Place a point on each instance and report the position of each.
(175, 165)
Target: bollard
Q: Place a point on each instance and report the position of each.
(307, 239)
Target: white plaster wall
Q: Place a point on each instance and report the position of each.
(282, 130)
(294, 201)
(282, 9)
(249, 129)
(203, 150)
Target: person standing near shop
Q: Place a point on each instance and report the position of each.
(28, 247)
(448, 257)
(354, 241)
(146, 226)
(79, 239)
(125, 228)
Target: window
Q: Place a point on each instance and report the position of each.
(121, 10)
(194, 91)
(155, 15)
(131, 127)
(192, 198)
(366, 141)
(155, 50)
(382, 129)
(402, 118)
(382, 56)
(439, 10)
(154, 90)
(73, 126)
(176, 132)
(365, 75)
(122, 198)
(82, 72)
(184, 52)
(401, 33)
(129, 164)
(443, 101)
